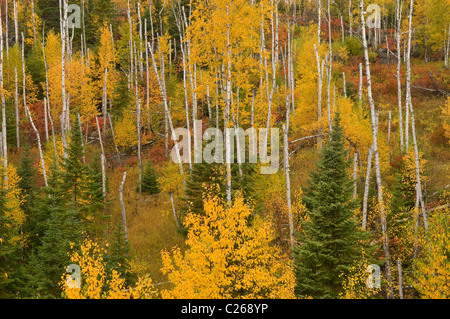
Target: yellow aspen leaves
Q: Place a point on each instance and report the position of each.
(228, 257)
(96, 283)
(431, 276)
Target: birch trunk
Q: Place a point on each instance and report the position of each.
(319, 13)
(6, 30)
(34, 21)
(408, 76)
(122, 205)
(114, 139)
(355, 177)
(419, 193)
(4, 141)
(399, 84)
(374, 123)
(27, 111)
(16, 24)
(400, 278)
(319, 96)
(330, 128)
(103, 160)
(288, 180)
(63, 16)
(162, 87)
(174, 211)
(147, 70)
(360, 84)
(16, 106)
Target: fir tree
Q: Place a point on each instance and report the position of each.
(118, 250)
(57, 226)
(330, 240)
(202, 177)
(95, 185)
(150, 183)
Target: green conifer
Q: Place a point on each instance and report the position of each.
(330, 241)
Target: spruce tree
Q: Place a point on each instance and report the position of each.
(117, 254)
(150, 183)
(330, 241)
(58, 225)
(204, 176)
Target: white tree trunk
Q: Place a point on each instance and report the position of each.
(376, 156)
(16, 24)
(162, 87)
(366, 187)
(399, 62)
(103, 160)
(174, 211)
(408, 76)
(355, 177)
(4, 141)
(27, 111)
(16, 106)
(114, 139)
(319, 96)
(63, 16)
(122, 205)
(400, 278)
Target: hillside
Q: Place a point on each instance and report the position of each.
(117, 159)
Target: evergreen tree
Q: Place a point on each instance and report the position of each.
(330, 239)
(52, 257)
(27, 182)
(204, 176)
(81, 184)
(57, 226)
(212, 177)
(95, 185)
(150, 183)
(118, 250)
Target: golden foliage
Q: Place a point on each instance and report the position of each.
(354, 285)
(228, 258)
(431, 277)
(126, 130)
(96, 282)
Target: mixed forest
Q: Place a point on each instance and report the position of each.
(93, 204)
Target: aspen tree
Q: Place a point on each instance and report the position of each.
(319, 96)
(162, 87)
(103, 158)
(122, 205)
(63, 19)
(16, 24)
(27, 111)
(180, 25)
(398, 17)
(6, 30)
(4, 141)
(16, 106)
(376, 156)
(408, 76)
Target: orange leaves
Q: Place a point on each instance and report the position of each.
(228, 258)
